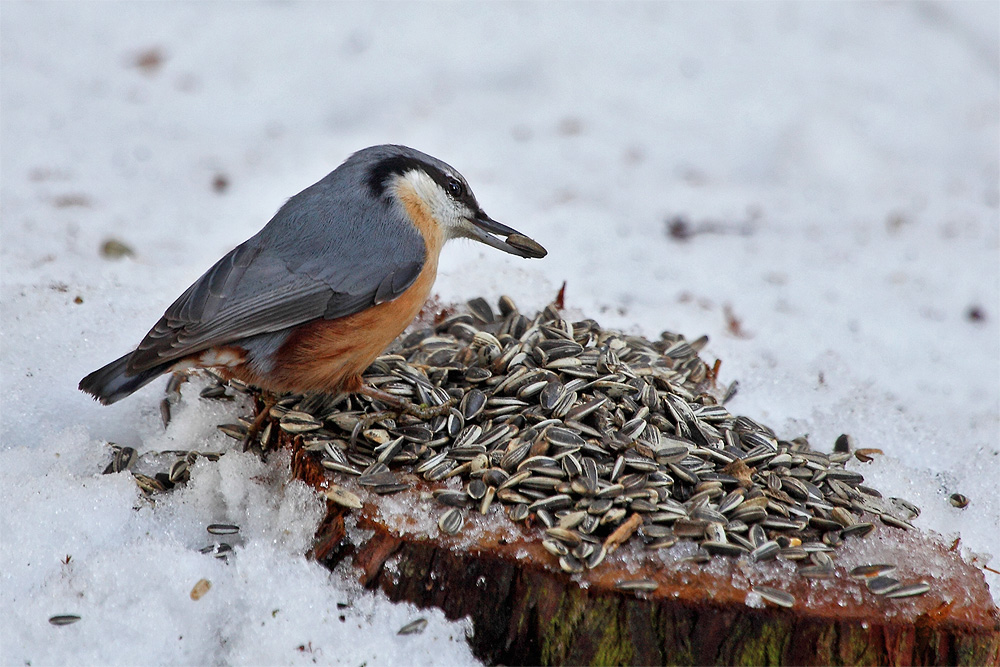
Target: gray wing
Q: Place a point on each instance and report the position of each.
(323, 255)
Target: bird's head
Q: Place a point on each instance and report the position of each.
(419, 182)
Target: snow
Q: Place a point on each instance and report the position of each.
(840, 162)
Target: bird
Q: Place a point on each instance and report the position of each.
(309, 302)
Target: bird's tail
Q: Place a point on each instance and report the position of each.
(112, 383)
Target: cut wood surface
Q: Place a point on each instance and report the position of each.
(525, 610)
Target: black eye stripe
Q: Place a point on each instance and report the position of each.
(399, 165)
(380, 173)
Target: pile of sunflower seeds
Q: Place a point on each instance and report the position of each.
(596, 435)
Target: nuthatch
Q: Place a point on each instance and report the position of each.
(314, 297)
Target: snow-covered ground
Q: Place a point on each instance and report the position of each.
(837, 163)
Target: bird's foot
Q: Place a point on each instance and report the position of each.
(172, 395)
(427, 412)
(402, 406)
(268, 399)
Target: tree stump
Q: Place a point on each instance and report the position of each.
(525, 610)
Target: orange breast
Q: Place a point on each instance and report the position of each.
(330, 355)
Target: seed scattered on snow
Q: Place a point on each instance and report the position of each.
(414, 627)
(200, 589)
(64, 619)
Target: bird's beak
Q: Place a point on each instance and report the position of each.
(483, 228)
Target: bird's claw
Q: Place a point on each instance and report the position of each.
(426, 412)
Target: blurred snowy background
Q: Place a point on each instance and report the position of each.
(814, 186)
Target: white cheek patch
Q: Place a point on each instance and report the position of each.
(448, 213)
